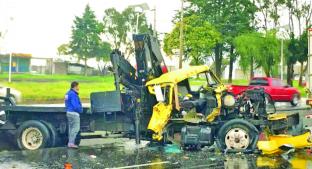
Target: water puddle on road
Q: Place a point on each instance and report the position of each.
(156, 157)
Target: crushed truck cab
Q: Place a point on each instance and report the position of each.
(211, 114)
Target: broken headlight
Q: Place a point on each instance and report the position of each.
(228, 100)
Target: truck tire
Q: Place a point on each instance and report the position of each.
(295, 100)
(32, 135)
(237, 135)
(54, 139)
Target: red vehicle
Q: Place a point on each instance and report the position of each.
(273, 87)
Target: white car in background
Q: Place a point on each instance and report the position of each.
(14, 94)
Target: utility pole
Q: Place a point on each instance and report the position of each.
(181, 36)
(282, 56)
(10, 61)
(155, 32)
(10, 67)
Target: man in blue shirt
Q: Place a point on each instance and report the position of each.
(73, 111)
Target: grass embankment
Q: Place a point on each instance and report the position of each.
(52, 88)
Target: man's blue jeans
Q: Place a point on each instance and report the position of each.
(73, 126)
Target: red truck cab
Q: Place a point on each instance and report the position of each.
(273, 87)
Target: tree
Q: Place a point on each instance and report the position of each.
(247, 46)
(292, 57)
(259, 49)
(303, 54)
(121, 25)
(103, 54)
(85, 40)
(269, 52)
(230, 17)
(199, 39)
(269, 9)
(63, 49)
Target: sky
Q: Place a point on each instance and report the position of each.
(40, 26)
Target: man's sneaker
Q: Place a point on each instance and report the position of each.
(71, 145)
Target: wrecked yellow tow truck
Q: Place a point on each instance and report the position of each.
(210, 114)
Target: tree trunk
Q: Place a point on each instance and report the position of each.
(267, 73)
(218, 59)
(301, 74)
(290, 73)
(100, 69)
(85, 67)
(252, 67)
(231, 64)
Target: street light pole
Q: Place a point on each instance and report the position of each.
(144, 7)
(181, 37)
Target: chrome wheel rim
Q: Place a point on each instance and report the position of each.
(32, 138)
(237, 138)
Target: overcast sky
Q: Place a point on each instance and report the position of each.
(40, 26)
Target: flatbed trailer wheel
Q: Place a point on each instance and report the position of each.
(32, 135)
(54, 136)
(237, 135)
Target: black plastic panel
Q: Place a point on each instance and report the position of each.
(105, 102)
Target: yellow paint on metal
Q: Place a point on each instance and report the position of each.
(160, 117)
(161, 111)
(278, 116)
(275, 142)
(216, 111)
(178, 75)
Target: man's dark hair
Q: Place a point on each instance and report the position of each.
(74, 84)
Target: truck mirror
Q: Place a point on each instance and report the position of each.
(159, 94)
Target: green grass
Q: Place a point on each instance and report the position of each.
(53, 78)
(53, 90)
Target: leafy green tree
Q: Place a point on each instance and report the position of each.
(247, 46)
(231, 18)
(103, 54)
(199, 39)
(292, 57)
(303, 55)
(85, 40)
(259, 49)
(63, 49)
(269, 53)
(121, 25)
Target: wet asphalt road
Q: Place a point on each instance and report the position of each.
(122, 153)
(118, 156)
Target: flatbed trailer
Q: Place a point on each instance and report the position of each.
(124, 111)
(38, 126)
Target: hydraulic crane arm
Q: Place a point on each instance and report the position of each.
(149, 63)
